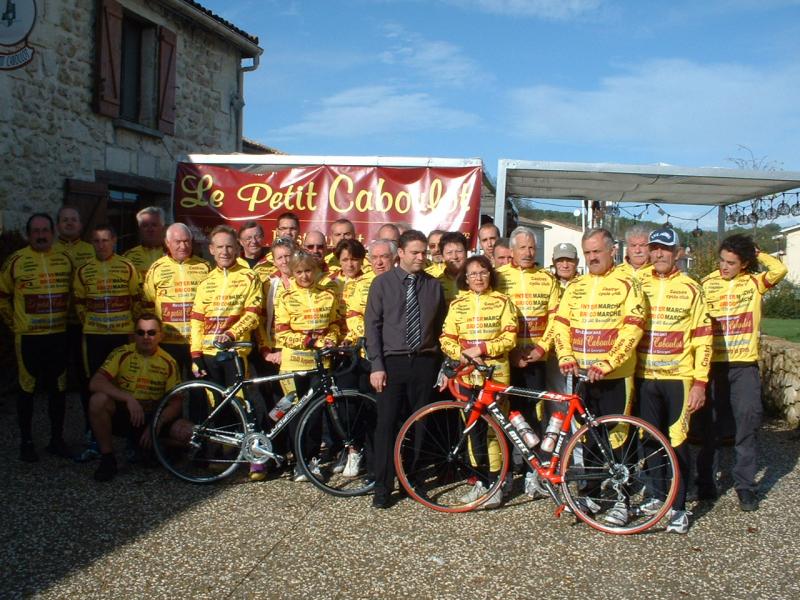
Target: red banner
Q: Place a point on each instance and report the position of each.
(428, 198)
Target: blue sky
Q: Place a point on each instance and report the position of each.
(681, 82)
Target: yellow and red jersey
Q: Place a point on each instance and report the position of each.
(143, 256)
(535, 293)
(169, 290)
(146, 377)
(625, 268)
(487, 320)
(107, 295)
(305, 318)
(228, 301)
(35, 291)
(600, 319)
(735, 309)
(353, 299)
(676, 343)
(80, 253)
(449, 284)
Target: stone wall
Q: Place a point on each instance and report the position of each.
(780, 377)
(50, 132)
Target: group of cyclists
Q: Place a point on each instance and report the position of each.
(654, 342)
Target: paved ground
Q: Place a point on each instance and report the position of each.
(148, 535)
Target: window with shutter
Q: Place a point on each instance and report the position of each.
(109, 57)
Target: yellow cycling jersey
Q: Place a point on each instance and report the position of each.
(146, 377)
(305, 318)
(169, 289)
(600, 320)
(676, 343)
(34, 291)
(228, 301)
(449, 285)
(625, 268)
(487, 320)
(80, 253)
(107, 295)
(353, 294)
(535, 293)
(735, 309)
(142, 257)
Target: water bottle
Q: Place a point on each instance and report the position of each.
(553, 429)
(282, 407)
(523, 429)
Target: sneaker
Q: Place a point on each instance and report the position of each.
(313, 466)
(258, 472)
(586, 505)
(748, 502)
(27, 452)
(651, 506)
(475, 492)
(678, 521)
(533, 487)
(57, 447)
(495, 499)
(617, 515)
(107, 468)
(90, 453)
(299, 475)
(353, 465)
(341, 462)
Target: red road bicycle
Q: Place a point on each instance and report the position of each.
(610, 462)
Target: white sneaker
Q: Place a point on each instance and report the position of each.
(495, 499)
(299, 475)
(652, 506)
(678, 521)
(617, 515)
(313, 466)
(476, 491)
(353, 465)
(533, 487)
(586, 504)
(340, 463)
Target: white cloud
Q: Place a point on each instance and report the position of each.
(545, 9)
(376, 110)
(670, 105)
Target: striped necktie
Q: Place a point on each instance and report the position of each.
(413, 333)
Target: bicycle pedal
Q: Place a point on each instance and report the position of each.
(559, 509)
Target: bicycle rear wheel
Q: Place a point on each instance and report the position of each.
(194, 442)
(343, 467)
(433, 462)
(621, 476)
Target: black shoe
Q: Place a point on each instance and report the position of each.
(748, 502)
(707, 492)
(27, 452)
(107, 468)
(57, 447)
(380, 500)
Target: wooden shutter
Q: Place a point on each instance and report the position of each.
(108, 49)
(90, 199)
(167, 49)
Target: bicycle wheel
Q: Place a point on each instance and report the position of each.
(439, 464)
(192, 439)
(333, 443)
(621, 476)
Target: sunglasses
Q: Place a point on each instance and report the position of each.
(148, 332)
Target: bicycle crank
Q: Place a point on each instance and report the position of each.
(257, 448)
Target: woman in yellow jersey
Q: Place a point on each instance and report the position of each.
(481, 324)
(307, 317)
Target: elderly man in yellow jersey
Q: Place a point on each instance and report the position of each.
(734, 294)
(34, 298)
(636, 251)
(227, 307)
(169, 289)
(488, 234)
(125, 392)
(151, 237)
(674, 355)
(535, 294)
(598, 324)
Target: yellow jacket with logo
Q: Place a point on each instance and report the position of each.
(80, 253)
(227, 301)
(676, 343)
(535, 293)
(107, 295)
(305, 318)
(169, 290)
(625, 268)
(600, 319)
(353, 299)
(487, 320)
(146, 377)
(735, 309)
(142, 257)
(34, 291)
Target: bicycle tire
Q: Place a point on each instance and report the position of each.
(432, 460)
(356, 414)
(644, 467)
(212, 453)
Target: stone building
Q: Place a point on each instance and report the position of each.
(99, 98)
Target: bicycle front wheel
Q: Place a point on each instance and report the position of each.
(442, 466)
(620, 476)
(195, 441)
(333, 443)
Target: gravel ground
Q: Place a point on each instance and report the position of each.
(146, 534)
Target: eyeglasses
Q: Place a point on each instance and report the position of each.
(148, 332)
(477, 274)
(254, 238)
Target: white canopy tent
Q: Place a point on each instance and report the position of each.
(613, 183)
